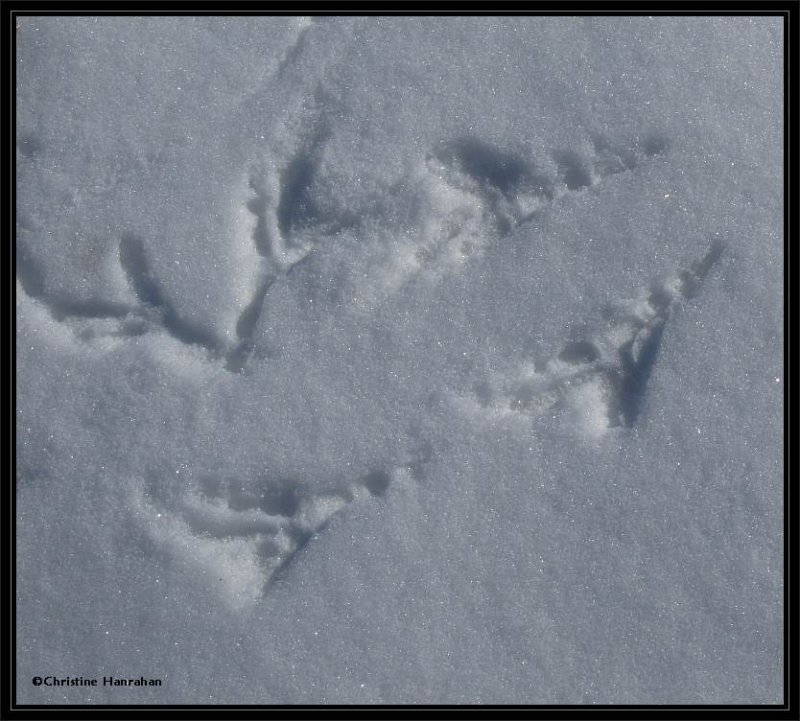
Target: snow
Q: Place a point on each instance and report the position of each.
(400, 360)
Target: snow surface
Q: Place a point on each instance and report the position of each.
(396, 360)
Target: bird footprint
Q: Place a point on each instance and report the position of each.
(602, 372)
(243, 536)
(464, 196)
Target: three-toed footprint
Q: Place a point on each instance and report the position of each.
(243, 534)
(601, 372)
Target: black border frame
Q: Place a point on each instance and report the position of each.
(789, 10)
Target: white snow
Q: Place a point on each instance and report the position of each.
(400, 360)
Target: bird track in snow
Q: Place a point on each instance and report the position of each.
(605, 367)
(245, 534)
(494, 191)
(473, 195)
